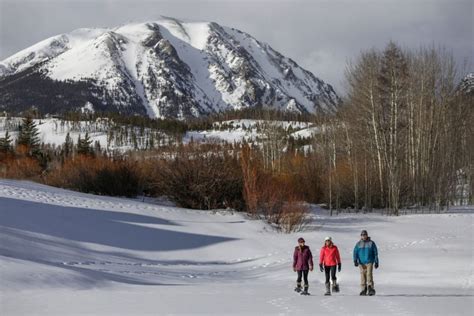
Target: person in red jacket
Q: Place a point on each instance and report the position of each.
(302, 264)
(329, 258)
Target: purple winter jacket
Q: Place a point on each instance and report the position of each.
(302, 258)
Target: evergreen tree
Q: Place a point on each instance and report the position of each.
(392, 85)
(392, 81)
(97, 147)
(68, 146)
(84, 145)
(5, 143)
(28, 136)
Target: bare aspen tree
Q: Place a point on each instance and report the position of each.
(363, 98)
(409, 128)
(392, 87)
(273, 143)
(353, 164)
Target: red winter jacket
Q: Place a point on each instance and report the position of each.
(302, 258)
(329, 256)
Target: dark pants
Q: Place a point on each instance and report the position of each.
(302, 274)
(330, 270)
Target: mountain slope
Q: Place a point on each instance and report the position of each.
(467, 84)
(165, 68)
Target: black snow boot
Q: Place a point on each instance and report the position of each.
(371, 291)
(298, 287)
(335, 287)
(305, 291)
(364, 291)
(328, 289)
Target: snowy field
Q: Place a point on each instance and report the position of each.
(246, 130)
(68, 253)
(53, 131)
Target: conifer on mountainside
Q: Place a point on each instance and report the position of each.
(84, 145)
(28, 135)
(6, 143)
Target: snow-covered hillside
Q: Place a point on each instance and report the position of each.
(169, 68)
(68, 253)
(237, 131)
(467, 84)
(53, 131)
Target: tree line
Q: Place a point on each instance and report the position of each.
(404, 133)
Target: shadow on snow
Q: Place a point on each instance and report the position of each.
(20, 221)
(109, 228)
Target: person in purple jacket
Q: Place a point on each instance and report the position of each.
(302, 264)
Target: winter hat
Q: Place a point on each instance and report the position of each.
(364, 232)
(328, 238)
(301, 239)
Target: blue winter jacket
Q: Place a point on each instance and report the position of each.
(365, 252)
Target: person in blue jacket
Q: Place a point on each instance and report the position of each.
(366, 258)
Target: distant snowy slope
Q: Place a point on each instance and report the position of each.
(467, 84)
(165, 68)
(53, 131)
(64, 253)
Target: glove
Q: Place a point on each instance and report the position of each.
(321, 267)
(376, 265)
(311, 268)
(356, 264)
(339, 267)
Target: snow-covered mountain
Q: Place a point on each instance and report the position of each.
(164, 68)
(467, 84)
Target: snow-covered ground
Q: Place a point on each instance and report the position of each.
(249, 130)
(53, 131)
(68, 253)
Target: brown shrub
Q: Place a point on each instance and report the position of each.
(273, 197)
(307, 179)
(294, 216)
(250, 166)
(19, 167)
(98, 175)
(280, 205)
(202, 177)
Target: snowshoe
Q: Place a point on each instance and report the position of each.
(363, 292)
(371, 291)
(328, 290)
(298, 289)
(305, 291)
(335, 287)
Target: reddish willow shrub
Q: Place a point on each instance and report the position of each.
(276, 198)
(201, 177)
(98, 175)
